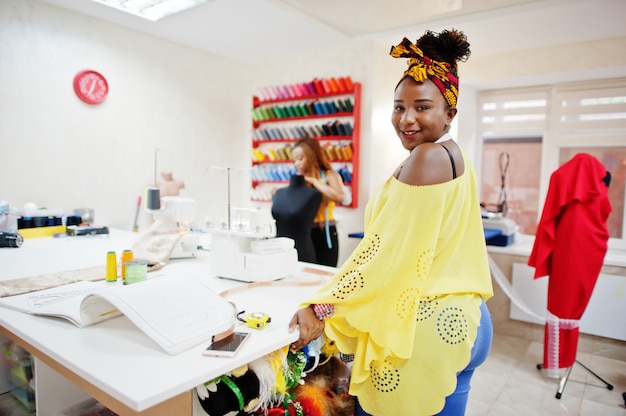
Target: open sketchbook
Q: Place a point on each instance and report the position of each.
(177, 312)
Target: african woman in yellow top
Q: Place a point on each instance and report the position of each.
(409, 303)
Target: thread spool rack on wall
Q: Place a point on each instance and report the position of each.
(328, 110)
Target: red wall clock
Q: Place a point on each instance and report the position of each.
(90, 86)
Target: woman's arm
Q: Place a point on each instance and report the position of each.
(332, 189)
(310, 327)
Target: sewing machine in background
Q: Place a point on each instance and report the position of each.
(245, 248)
(175, 217)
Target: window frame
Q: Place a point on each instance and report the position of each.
(562, 125)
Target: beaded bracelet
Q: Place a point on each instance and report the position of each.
(323, 311)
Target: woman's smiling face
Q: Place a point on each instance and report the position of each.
(420, 113)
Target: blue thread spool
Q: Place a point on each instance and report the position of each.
(153, 199)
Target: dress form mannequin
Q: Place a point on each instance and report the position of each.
(294, 208)
(168, 186)
(570, 246)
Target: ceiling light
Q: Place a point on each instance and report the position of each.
(151, 9)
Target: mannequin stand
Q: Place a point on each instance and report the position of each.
(294, 208)
(565, 378)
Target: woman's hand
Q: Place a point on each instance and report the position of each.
(310, 327)
(333, 188)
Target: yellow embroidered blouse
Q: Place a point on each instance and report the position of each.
(407, 300)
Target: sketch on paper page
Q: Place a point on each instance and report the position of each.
(177, 312)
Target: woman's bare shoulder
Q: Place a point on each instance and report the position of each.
(428, 164)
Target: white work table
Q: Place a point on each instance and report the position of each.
(523, 245)
(114, 361)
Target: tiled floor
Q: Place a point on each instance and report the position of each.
(509, 384)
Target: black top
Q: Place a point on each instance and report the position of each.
(294, 208)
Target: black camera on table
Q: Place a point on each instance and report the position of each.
(10, 239)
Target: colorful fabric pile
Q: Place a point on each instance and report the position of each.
(312, 382)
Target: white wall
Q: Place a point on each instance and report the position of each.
(59, 152)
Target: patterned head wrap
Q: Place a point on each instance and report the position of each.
(421, 67)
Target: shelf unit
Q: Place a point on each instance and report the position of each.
(328, 110)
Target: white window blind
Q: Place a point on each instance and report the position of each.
(590, 111)
(513, 113)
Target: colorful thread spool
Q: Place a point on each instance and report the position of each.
(136, 271)
(153, 198)
(111, 275)
(127, 255)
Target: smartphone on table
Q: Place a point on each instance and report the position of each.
(228, 346)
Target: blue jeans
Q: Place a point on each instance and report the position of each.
(457, 401)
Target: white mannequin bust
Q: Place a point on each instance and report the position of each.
(168, 186)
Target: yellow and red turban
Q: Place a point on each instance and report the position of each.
(421, 67)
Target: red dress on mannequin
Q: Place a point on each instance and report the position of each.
(569, 247)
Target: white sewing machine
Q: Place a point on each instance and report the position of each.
(175, 216)
(246, 248)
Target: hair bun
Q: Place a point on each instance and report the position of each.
(449, 46)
